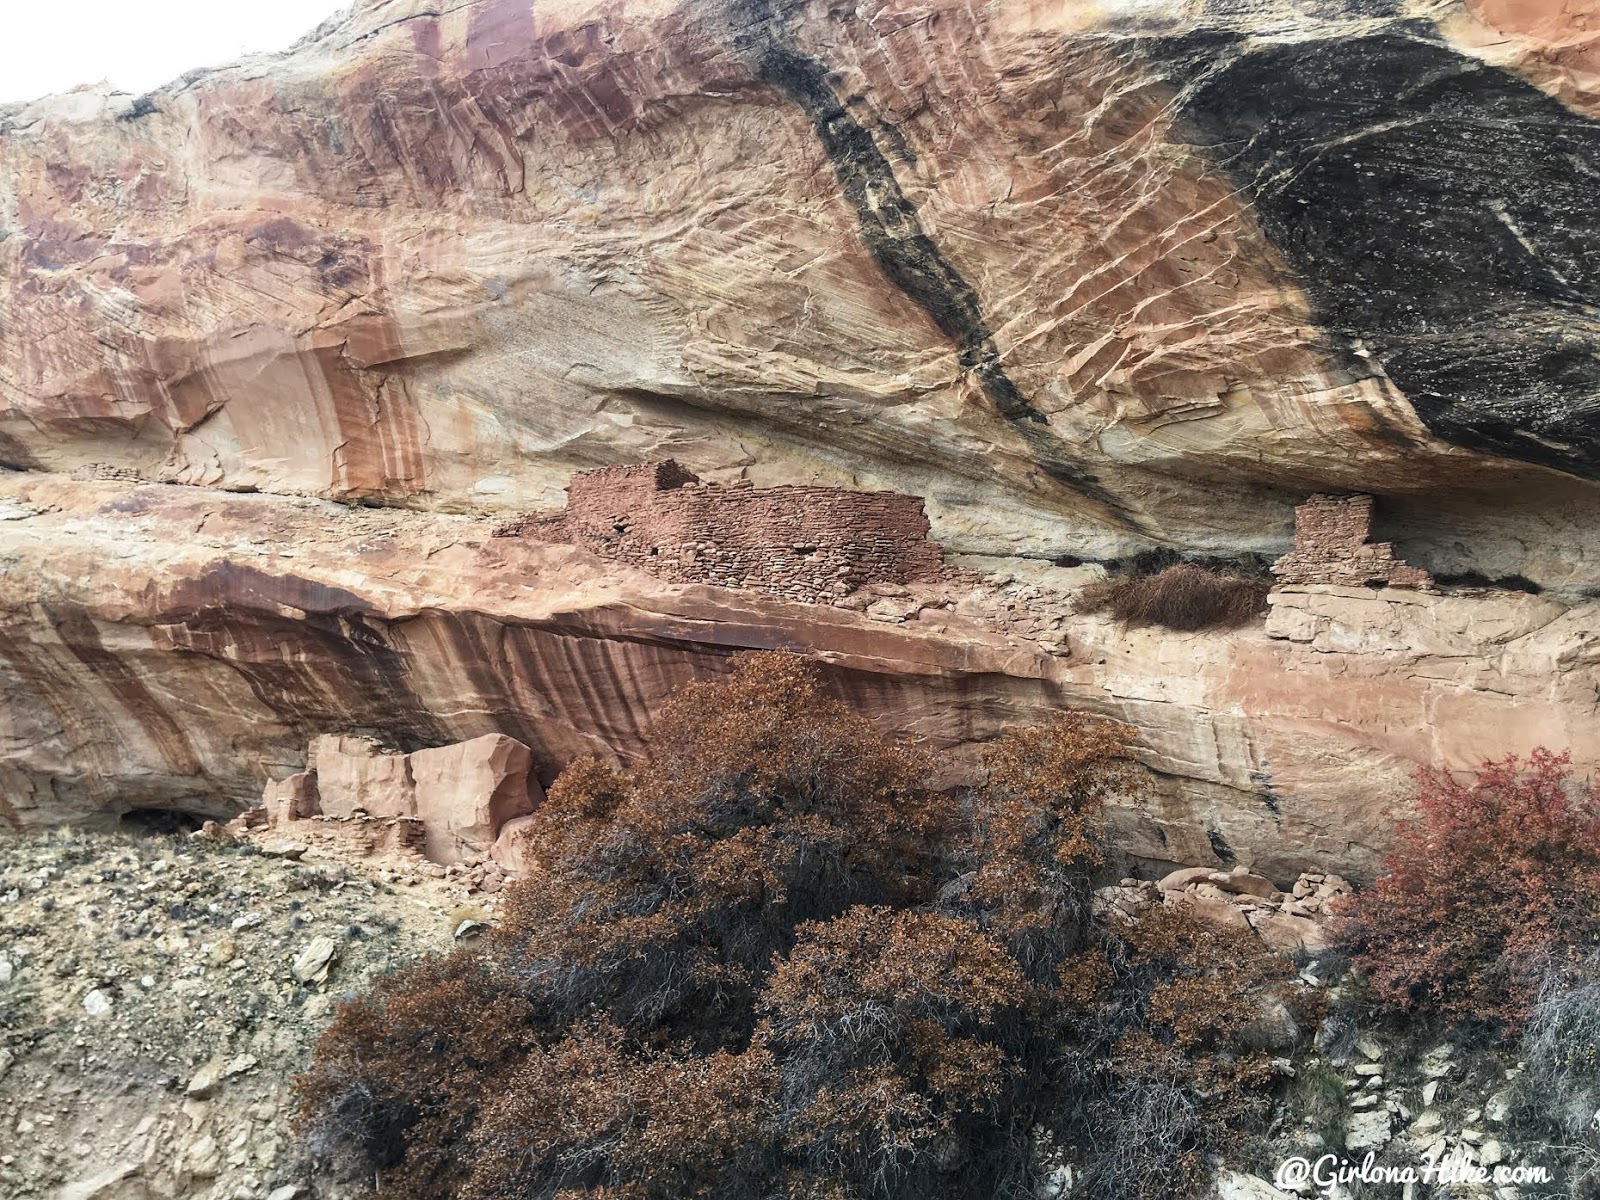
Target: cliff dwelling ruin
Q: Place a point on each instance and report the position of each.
(814, 545)
(1331, 547)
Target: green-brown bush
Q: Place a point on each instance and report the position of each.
(1186, 597)
(772, 963)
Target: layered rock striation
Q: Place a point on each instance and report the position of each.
(1091, 278)
(166, 646)
(281, 344)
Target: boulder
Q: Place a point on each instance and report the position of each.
(1284, 931)
(508, 849)
(356, 774)
(1219, 914)
(1242, 883)
(1183, 877)
(466, 793)
(315, 960)
(1498, 1107)
(203, 1084)
(1369, 1130)
(110, 1184)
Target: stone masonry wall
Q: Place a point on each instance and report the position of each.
(1331, 547)
(815, 545)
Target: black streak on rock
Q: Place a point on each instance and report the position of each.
(894, 236)
(889, 223)
(1442, 214)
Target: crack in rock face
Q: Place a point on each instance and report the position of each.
(893, 234)
(1441, 214)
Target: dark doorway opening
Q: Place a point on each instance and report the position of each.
(158, 821)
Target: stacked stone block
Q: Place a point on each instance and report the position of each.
(814, 545)
(1331, 547)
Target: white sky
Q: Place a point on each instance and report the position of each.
(54, 45)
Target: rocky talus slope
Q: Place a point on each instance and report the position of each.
(1094, 279)
(158, 993)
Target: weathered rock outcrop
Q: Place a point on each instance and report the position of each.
(169, 646)
(461, 795)
(1235, 899)
(1089, 277)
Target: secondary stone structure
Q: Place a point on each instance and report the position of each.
(465, 800)
(1331, 547)
(815, 545)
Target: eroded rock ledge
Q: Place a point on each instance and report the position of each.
(167, 646)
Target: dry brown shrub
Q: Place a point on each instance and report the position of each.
(1186, 597)
(1037, 835)
(897, 1035)
(1175, 1010)
(770, 964)
(597, 1114)
(663, 894)
(400, 1075)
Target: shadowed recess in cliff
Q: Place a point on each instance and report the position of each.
(893, 234)
(1441, 213)
(316, 657)
(81, 637)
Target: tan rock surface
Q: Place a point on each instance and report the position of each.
(357, 774)
(466, 793)
(169, 646)
(1014, 258)
(442, 259)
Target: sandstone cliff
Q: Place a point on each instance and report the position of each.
(1087, 276)
(1091, 278)
(176, 647)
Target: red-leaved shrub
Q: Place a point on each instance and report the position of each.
(1495, 881)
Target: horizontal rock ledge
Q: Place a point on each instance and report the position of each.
(172, 647)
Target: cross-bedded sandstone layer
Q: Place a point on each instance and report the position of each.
(1089, 277)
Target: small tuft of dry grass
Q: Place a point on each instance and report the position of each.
(1185, 597)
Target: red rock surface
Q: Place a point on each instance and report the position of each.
(444, 259)
(169, 646)
(1004, 257)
